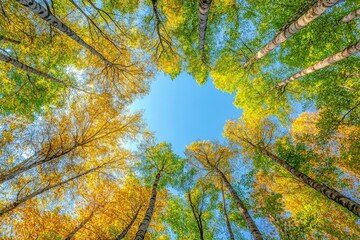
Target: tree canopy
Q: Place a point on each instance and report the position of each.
(76, 162)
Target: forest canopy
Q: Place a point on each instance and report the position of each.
(76, 162)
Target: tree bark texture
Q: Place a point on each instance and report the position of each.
(347, 52)
(204, 8)
(314, 12)
(351, 16)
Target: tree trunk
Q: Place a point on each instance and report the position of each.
(77, 228)
(314, 12)
(330, 193)
(197, 217)
(204, 7)
(228, 224)
(3, 38)
(144, 225)
(351, 16)
(12, 206)
(244, 212)
(125, 231)
(29, 69)
(347, 52)
(54, 21)
(20, 169)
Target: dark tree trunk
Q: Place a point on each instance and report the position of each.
(144, 225)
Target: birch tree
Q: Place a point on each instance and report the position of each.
(260, 137)
(314, 12)
(47, 15)
(347, 52)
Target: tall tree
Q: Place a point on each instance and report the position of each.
(35, 193)
(29, 69)
(347, 52)
(94, 119)
(226, 217)
(314, 12)
(260, 137)
(204, 8)
(212, 156)
(47, 15)
(78, 227)
(158, 159)
(127, 228)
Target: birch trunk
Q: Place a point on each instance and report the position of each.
(231, 234)
(54, 21)
(314, 12)
(144, 225)
(347, 52)
(81, 225)
(351, 16)
(29, 69)
(330, 193)
(12, 206)
(244, 212)
(204, 7)
(125, 231)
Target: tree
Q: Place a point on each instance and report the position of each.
(204, 8)
(260, 138)
(29, 69)
(314, 12)
(351, 16)
(125, 231)
(212, 156)
(54, 21)
(226, 217)
(94, 119)
(158, 159)
(347, 52)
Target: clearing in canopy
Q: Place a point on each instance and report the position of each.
(78, 161)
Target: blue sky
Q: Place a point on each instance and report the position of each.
(180, 111)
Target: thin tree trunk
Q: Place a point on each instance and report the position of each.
(204, 7)
(330, 193)
(20, 169)
(244, 212)
(347, 52)
(351, 16)
(228, 224)
(29, 69)
(54, 21)
(314, 12)
(125, 231)
(197, 217)
(81, 225)
(3, 38)
(12, 206)
(144, 225)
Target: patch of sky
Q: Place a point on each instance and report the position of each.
(181, 112)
